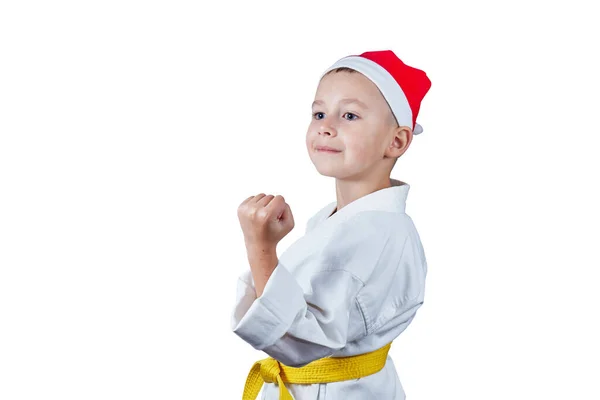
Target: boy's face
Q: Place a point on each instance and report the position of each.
(362, 132)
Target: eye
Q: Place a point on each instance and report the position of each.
(315, 114)
(352, 115)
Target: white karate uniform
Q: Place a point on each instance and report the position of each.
(349, 286)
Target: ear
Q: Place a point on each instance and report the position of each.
(401, 138)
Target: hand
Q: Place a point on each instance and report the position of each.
(265, 220)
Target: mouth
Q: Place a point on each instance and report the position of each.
(326, 149)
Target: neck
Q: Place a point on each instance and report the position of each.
(348, 190)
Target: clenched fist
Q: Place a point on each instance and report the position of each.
(265, 219)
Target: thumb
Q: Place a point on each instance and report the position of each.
(287, 213)
(281, 208)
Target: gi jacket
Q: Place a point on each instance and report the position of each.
(349, 286)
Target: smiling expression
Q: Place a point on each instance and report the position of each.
(350, 115)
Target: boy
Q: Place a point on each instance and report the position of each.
(328, 308)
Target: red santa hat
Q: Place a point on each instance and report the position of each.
(402, 86)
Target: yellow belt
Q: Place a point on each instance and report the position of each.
(324, 370)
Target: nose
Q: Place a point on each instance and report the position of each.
(325, 128)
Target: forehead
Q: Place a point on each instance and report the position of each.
(338, 85)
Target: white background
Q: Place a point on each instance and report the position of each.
(131, 131)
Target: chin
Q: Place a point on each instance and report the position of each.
(328, 171)
(326, 166)
(328, 175)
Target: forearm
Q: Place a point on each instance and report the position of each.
(263, 260)
(283, 324)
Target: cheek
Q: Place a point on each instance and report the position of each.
(310, 141)
(310, 137)
(361, 150)
(312, 129)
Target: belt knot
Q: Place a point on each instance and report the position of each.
(270, 370)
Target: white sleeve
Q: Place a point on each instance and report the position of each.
(295, 327)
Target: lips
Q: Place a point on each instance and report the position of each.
(327, 149)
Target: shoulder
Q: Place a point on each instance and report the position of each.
(375, 225)
(364, 241)
(319, 216)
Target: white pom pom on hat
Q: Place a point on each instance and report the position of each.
(402, 86)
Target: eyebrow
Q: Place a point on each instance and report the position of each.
(360, 103)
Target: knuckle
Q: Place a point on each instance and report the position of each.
(251, 211)
(262, 214)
